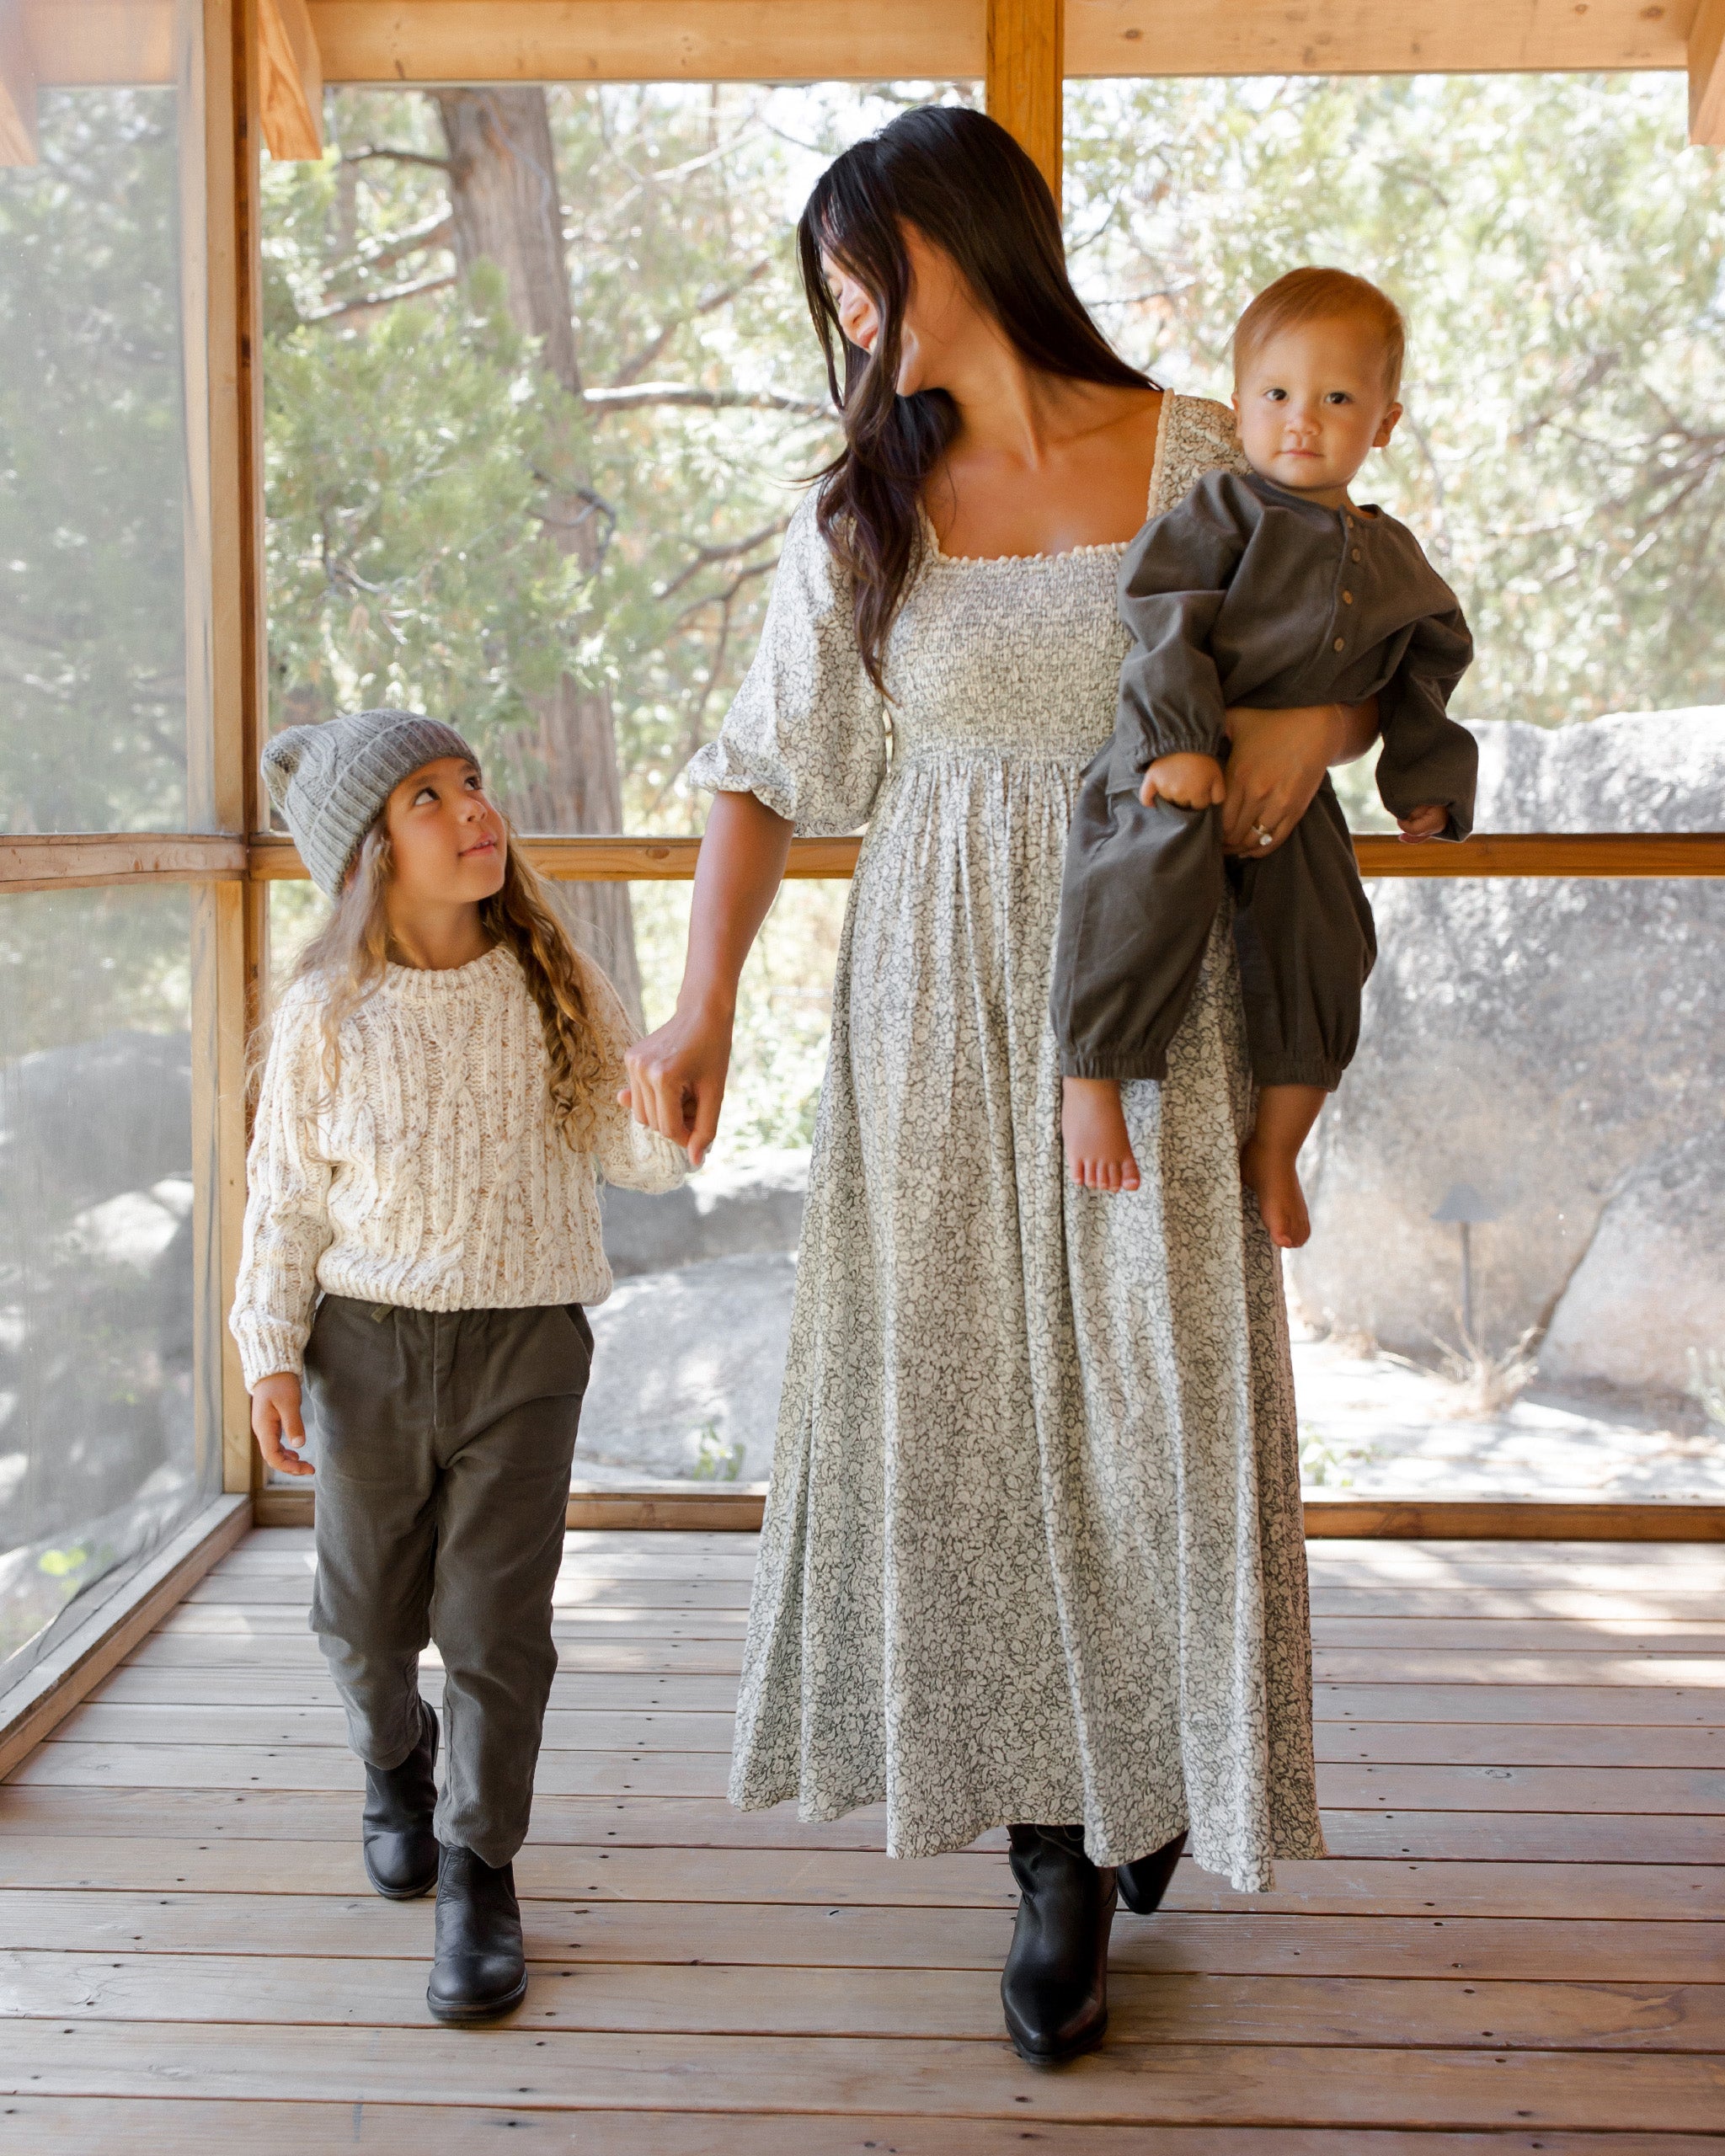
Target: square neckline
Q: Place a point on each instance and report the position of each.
(940, 558)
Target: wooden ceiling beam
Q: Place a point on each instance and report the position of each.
(18, 87)
(396, 41)
(1373, 37)
(1706, 73)
(290, 80)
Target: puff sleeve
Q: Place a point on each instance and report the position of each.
(807, 732)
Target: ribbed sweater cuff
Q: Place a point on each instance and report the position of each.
(267, 1345)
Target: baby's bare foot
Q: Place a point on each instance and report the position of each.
(1098, 1152)
(1273, 1175)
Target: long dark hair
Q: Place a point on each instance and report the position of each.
(965, 183)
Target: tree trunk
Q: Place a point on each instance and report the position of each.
(506, 208)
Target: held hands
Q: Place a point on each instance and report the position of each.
(676, 1079)
(1188, 779)
(276, 1423)
(1424, 824)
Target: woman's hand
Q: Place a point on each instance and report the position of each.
(1277, 764)
(276, 1423)
(677, 1076)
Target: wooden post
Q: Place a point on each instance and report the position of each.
(1706, 73)
(290, 80)
(1026, 81)
(228, 917)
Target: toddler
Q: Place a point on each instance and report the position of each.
(421, 1232)
(1268, 587)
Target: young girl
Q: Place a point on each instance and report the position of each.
(421, 1233)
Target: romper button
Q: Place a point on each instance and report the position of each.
(1347, 598)
(1341, 643)
(1356, 554)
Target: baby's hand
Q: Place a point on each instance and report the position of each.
(1187, 779)
(1425, 824)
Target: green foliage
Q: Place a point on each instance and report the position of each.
(408, 564)
(1558, 253)
(93, 611)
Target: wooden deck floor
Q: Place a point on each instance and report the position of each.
(1518, 1943)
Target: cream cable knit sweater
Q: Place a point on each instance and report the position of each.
(434, 1178)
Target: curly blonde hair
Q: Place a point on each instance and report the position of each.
(349, 955)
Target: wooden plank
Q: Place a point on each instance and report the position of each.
(17, 88)
(1610, 854)
(1416, 1666)
(1660, 1723)
(296, 1767)
(1517, 1519)
(744, 40)
(651, 40)
(301, 1650)
(1160, 2007)
(94, 2126)
(1241, 1943)
(386, 41)
(1551, 1707)
(28, 864)
(1025, 78)
(277, 1625)
(1515, 1744)
(602, 1688)
(1571, 1791)
(1184, 2083)
(1491, 1636)
(1537, 1837)
(40, 1701)
(1341, 37)
(583, 1728)
(740, 1511)
(1704, 56)
(290, 80)
(1498, 1879)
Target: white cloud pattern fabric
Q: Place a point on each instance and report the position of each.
(1033, 1547)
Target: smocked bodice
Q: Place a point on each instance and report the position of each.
(1019, 656)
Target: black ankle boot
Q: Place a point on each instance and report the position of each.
(1145, 1881)
(399, 1849)
(479, 1970)
(1054, 1987)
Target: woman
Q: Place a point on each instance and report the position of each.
(1033, 1553)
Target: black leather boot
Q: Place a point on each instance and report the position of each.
(479, 1969)
(1054, 1987)
(396, 1840)
(1145, 1881)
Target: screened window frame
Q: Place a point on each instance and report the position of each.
(266, 63)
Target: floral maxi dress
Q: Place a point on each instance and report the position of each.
(1033, 1546)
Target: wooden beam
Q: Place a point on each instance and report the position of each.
(1025, 80)
(82, 863)
(1638, 854)
(290, 80)
(393, 42)
(18, 87)
(1371, 37)
(396, 41)
(1420, 1519)
(1706, 73)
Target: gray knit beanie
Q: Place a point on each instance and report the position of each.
(331, 781)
